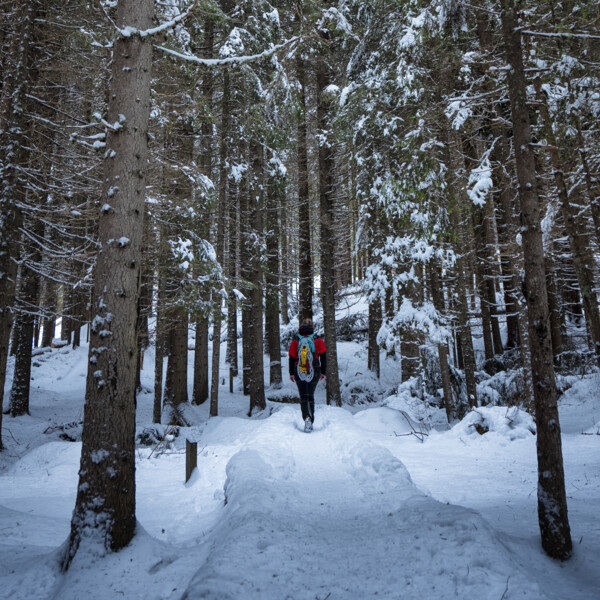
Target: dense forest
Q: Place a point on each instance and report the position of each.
(171, 169)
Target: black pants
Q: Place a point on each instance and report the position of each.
(306, 389)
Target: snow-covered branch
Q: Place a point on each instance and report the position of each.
(130, 31)
(230, 60)
(561, 34)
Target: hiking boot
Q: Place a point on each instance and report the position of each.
(308, 425)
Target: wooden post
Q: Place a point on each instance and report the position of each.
(191, 458)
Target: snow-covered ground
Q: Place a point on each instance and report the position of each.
(360, 508)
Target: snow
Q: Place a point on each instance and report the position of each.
(504, 422)
(480, 180)
(359, 508)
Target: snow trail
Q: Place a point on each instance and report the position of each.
(328, 515)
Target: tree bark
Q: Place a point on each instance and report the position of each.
(274, 191)
(175, 395)
(13, 154)
(591, 182)
(27, 298)
(232, 260)
(437, 297)
(257, 375)
(201, 357)
(285, 270)
(375, 320)
(326, 205)
(556, 325)
(49, 321)
(160, 344)
(305, 283)
(104, 512)
(144, 307)
(200, 393)
(466, 340)
(486, 321)
(552, 502)
(220, 243)
(248, 349)
(582, 257)
(505, 228)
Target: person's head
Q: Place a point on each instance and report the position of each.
(306, 327)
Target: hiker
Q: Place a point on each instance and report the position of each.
(308, 365)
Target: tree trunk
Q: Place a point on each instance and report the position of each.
(437, 296)
(104, 512)
(232, 260)
(582, 257)
(491, 271)
(274, 190)
(326, 204)
(13, 154)
(591, 181)
(257, 375)
(305, 283)
(556, 327)
(552, 502)
(27, 298)
(500, 154)
(486, 321)
(505, 231)
(220, 242)
(176, 396)
(144, 308)
(466, 340)
(160, 345)
(412, 339)
(200, 393)
(375, 319)
(49, 321)
(510, 261)
(483, 259)
(248, 349)
(285, 269)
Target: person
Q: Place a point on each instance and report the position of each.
(307, 373)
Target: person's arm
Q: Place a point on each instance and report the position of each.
(293, 357)
(322, 353)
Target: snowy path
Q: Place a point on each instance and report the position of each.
(328, 515)
(331, 515)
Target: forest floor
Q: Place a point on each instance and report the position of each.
(359, 508)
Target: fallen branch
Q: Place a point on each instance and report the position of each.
(63, 427)
(420, 435)
(168, 430)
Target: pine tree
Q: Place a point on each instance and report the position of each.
(552, 502)
(107, 474)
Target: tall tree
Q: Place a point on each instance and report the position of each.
(326, 212)
(104, 512)
(552, 501)
(13, 155)
(275, 189)
(305, 280)
(220, 244)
